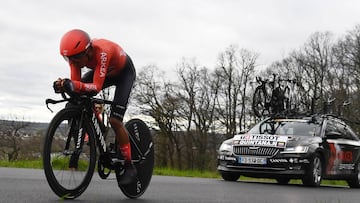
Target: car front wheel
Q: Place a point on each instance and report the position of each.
(313, 175)
(230, 176)
(283, 181)
(355, 181)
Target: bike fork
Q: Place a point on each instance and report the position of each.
(76, 132)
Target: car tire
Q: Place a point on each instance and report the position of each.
(355, 181)
(313, 174)
(230, 176)
(283, 181)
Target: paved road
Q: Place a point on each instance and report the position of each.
(28, 185)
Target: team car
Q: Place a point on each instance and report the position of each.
(309, 148)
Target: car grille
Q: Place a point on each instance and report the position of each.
(255, 151)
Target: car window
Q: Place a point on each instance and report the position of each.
(350, 134)
(342, 128)
(333, 126)
(286, 127)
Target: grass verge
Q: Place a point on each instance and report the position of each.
(37, 164)
(186, 173)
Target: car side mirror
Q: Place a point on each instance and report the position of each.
(333, 135)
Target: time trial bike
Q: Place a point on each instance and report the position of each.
(75, 140)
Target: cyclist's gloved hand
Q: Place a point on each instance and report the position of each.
(57, 85)
(68, 86)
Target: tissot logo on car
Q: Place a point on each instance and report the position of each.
(261, 140)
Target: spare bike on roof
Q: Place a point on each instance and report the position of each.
(70, 149)
(276, 96)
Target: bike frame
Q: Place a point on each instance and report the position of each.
(95, 129)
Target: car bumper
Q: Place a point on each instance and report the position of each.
(293, 166)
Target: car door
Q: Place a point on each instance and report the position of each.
(343, 148)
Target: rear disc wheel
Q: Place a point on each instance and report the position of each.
(141, 140)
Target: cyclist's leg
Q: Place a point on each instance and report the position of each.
(124, 83)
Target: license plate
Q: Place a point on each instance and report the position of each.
(252, 160)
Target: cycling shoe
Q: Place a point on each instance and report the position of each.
(127, 175)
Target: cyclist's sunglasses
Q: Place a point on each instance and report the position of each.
(75, 57)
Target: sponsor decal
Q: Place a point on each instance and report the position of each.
(339, 159)
(290, 160)
(98, 132)
(294, 160)
(138, 186)
(229, 158)
(346, 166)
(90, 87)
(305, 161)
(136, 131)
(79, 138)
(226, 158)
(103, 61)
(345, 156)
(278, 160)
(261, 140)
(281, 144)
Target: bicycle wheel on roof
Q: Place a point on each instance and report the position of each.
(260, 104)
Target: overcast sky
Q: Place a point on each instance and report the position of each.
(152, 32)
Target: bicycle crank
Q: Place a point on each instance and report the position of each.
(103, 171)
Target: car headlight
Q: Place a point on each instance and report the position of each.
(295, 150)
(226, 147)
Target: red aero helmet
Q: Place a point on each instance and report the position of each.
(74, 42)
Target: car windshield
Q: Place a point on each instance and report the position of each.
(286, 127)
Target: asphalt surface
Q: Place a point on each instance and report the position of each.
(29, 185)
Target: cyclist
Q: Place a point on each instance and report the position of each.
(109, 65)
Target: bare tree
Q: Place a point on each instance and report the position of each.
(236, 68)
(188, 75)
(11, 134)
(346, 73)
(230, 90)
(247, 63)
(315, 59)
(198, 91)
(157, 99)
